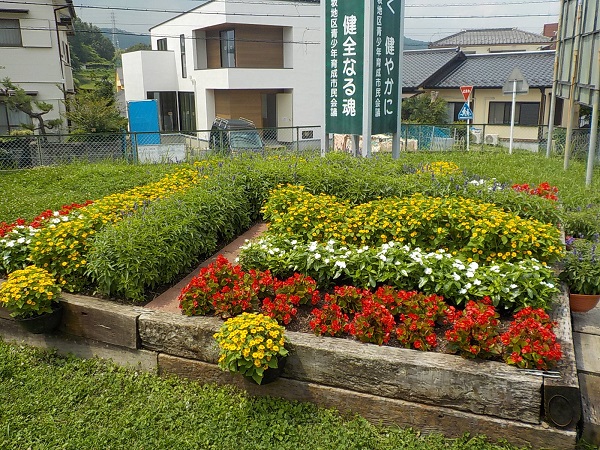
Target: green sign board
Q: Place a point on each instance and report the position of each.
(386, 65)
(344, 67)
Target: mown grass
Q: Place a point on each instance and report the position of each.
(26, 193)
(51, 402)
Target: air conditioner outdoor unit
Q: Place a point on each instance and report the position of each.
(476, 137)
(491, 139)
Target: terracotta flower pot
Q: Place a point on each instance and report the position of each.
(583, 302)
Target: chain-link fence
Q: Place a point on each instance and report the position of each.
(18, 152)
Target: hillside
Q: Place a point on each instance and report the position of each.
(413, 44)
(126, 38)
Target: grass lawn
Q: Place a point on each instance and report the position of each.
(26, 193)
(51, 402)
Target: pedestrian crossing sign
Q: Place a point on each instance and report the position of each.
(465, 113)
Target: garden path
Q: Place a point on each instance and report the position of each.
(167, 301)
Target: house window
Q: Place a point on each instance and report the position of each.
(526, 113)
(161, 44)
(453, 109)
(10, 33)
(182, 48)
(12, 119)
(227, 48)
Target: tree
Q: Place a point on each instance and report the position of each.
(424, 109)
(17, 98)
(91, 113)
(89, 45)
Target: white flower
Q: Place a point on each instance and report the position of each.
(55, 221)
(468, 286)
(294, 242)
(271, 252)
(404, 273)
(56, 214)
(462, 291)
(473, 266)
(428, 271)
(469, 274)
(384, 247)
(383, 258)
(21, 240)
(495, 269)
(476, 282)
(455, 276)
(550, 285)
(317, 256)
(439, 256)
(513, 286)
(237, 260)
(313, 246)
(10, 243)
(340, 264)
(326, 260)
(330, 242)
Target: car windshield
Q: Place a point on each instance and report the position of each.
(245, 139)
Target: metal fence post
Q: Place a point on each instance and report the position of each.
(297, 139)
(39, 150)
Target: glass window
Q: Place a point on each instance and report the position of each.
(526, 113)
(10, 33)
(161, 44)
(227, 48)
(12, 119)
(182, 48)
(187, 111)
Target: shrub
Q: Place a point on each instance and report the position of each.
(165, 239)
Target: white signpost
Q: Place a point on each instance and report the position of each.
(466, 113)
(515, 84)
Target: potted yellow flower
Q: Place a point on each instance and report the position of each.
(253, 345)
(32, 297)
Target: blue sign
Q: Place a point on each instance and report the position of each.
(465, 113)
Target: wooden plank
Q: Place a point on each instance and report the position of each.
(259, 46)
(481, 387)
(380, 410)
(562, 398)
(587, 351)
(66, 344)
(588, 322)
(101, 320)
(590, 390)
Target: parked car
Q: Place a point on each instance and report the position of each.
(235, 135)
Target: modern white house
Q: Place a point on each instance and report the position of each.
(34, 54)
(257, 60)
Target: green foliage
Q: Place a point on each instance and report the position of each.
(94, 112)
(424, 109)
(581, 267)
(137, 47)
(28, 192)
(51, 401)
(35, 109)
(165, 239)
(88, 44)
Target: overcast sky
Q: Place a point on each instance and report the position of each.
(426, 20)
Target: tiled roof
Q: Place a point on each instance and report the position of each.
(490, 36)
(420, 65)
(491, 70)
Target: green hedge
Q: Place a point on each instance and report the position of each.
(166, 239)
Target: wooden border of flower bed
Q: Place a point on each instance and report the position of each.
(426, 390)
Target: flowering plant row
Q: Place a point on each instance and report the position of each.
(16, 236)
(544, 190)
(473, 229)
(509, 285)
(369, 316)
(60, 241)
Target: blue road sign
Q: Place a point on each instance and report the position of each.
(465, 113)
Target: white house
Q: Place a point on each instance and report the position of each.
(34, 54)
(257, 60)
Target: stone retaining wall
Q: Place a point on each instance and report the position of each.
(428, 391)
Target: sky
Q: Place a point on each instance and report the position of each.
(425, 20)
